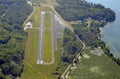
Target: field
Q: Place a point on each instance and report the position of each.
(46, 2)
(47, 20)
(48, 46)
(31, 49)
(42, 1)
(47, 9)
(36, 17)
(32, 42)
(32, 70)
(96, 67)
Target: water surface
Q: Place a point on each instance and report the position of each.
(112, 31)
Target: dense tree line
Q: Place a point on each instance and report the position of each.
(89, 35)
(72, 45)
(81, 11)
(108, 53)
(12, 37)
(74, 10)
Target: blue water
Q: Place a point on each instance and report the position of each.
(112, 31)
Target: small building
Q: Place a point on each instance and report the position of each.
(28, 25)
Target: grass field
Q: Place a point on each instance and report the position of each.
(46, 70)
(36, 17)
(47, 20)
(48, 45)
(47, 9)
(42, 1)
(31, 69)
(31, 49)
(32, 38)
(96, 67)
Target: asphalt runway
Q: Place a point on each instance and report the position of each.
(41, 40)
(57, 27)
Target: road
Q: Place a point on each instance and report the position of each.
(41, 40)
(63, 76)
(29, 16)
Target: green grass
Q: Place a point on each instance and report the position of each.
(48, 45)
(29, 73)
(96, 67)
(47, 9)
(36, 17)
(47, 2)
(47, 20)
(31, 49)
(42, 1)
(46, 70)
(31, 69)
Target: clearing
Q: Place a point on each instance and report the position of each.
(97, 67)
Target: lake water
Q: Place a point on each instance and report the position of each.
(112, 31)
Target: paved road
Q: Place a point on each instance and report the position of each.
(41, 40)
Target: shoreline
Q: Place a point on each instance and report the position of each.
(106, 48)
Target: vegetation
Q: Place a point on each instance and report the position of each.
(47, 20)
(89, 35)
(95, 67)
(108, 53)
(90, 19)
(75, 10)
(12, 37)
(87, 20)
(49, 71)
(32, 70)
(48, 46)
(36, 17)
(71, 45)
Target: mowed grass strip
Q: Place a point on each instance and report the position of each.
(46, 70)
(36, 17)
(47, 20)
(48, 45)
(30, 73)
(31, 49)
(31, 53)
(48, 9)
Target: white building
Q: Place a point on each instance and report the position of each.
(28, 25)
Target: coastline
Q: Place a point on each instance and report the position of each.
(106, 48)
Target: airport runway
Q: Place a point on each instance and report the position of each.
(41, 40)
(57, 28)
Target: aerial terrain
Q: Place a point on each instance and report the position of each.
(56, 39)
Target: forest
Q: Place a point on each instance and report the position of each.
(75, 10)
(72, 45)
(12, 37)
(90, 18)
(89, 35)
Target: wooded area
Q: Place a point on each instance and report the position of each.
(75, 10)
(12, 37)
(81, 12)
(72, 45)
